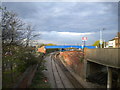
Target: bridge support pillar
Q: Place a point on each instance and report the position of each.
(109, 78)
(118, 80)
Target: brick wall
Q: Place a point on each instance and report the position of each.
(74, 60)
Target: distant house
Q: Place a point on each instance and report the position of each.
(111, 43)
(115, 42)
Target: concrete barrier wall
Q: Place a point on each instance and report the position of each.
(105, 56)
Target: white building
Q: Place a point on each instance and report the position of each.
(111, 43)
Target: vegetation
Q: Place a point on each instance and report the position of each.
(15, 63)
(49, 44)
(97, 43)
(17, 54)
(40, 81)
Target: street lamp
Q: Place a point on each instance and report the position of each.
(101, 41)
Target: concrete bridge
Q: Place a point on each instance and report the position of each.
(103, 59)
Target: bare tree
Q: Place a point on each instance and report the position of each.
(30, 34)
(12, 27)
(14, 31)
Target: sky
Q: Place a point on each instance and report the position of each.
(68, 22)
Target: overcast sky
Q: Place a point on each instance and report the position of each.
(68, 22)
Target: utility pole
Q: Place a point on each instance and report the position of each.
(100, 38)
(101, 41)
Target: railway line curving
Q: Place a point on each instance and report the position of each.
(56, 74)
(55, 63)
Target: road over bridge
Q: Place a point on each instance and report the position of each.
(103, 58)
(43, 48)
(69, 46)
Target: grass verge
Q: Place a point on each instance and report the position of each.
(39, 80)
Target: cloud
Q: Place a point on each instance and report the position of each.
(65, 33)
(60, 0)
(64, 37)
(66, 22)
(43, 41)
(73, 33)
(73, 37)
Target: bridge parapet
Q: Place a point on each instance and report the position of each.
(105, 56)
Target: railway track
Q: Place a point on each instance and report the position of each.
(71, 79)
(57, 76)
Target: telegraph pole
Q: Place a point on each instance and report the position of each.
(101, 41)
